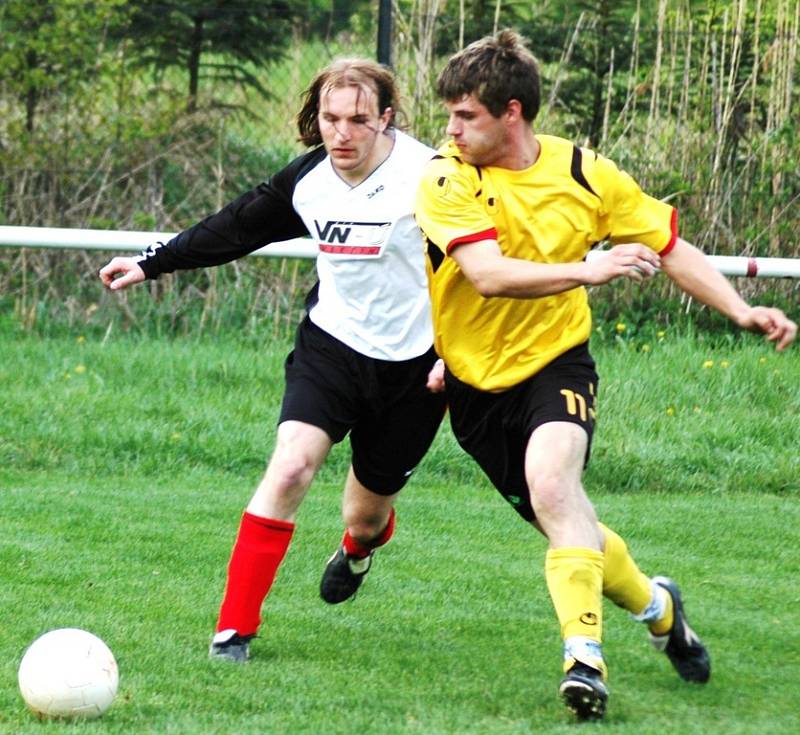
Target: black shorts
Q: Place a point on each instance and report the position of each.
(391, 416)
(494, 428)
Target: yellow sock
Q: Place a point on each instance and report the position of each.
(663, 625)
(575, 581)
(623, 582)
(627, 586)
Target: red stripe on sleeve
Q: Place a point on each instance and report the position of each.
(490, 234)
(673, 225)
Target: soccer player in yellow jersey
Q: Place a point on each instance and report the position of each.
(509, 216)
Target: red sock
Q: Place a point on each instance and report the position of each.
(361, 551)
(258, 552)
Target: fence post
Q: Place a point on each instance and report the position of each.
(385, 32)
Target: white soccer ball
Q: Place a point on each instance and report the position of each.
(68, 673)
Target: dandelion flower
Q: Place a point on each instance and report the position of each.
(670, 411)
(621, 327)
(645, 348)
(708, 364)
(80, 369)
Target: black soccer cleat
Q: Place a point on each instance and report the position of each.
(584, 692)
(339, 581)
(682, 645)
(235, 648)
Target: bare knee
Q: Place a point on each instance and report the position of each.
(290, 470)
(285, 483)
(564, 511)
(550, 494)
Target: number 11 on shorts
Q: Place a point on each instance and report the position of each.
(576, 403)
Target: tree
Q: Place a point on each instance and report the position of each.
(48, 48)
(207, 39)
(326, 18)
(597, 35)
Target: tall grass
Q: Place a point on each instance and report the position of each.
(698, 106)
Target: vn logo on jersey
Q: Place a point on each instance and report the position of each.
(352, 238)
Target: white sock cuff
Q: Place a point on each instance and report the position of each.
(656, 607)
(583, 649)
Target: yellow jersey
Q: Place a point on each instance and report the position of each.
(555, 211)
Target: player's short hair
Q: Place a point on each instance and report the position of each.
(352, 72)
(496, 69)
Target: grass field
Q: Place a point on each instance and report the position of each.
(124, 467)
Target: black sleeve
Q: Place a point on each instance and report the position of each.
(255, 219)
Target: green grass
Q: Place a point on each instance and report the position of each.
(124, 467)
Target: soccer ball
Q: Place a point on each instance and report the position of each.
(68, 673)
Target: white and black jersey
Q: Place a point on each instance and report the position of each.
(372, 293)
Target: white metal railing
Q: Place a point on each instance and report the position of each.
(133, 241)
(129, 241)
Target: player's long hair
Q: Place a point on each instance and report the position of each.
(354, 72)
(496, 69)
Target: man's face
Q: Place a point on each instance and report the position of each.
(481, 137)
(351, 125)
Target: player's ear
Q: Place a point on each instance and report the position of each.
(513, 110)
(386, 118)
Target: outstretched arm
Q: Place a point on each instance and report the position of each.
(494, 274)
(691, 271)
(263, 215)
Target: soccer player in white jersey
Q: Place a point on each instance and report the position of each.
(362, 354)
